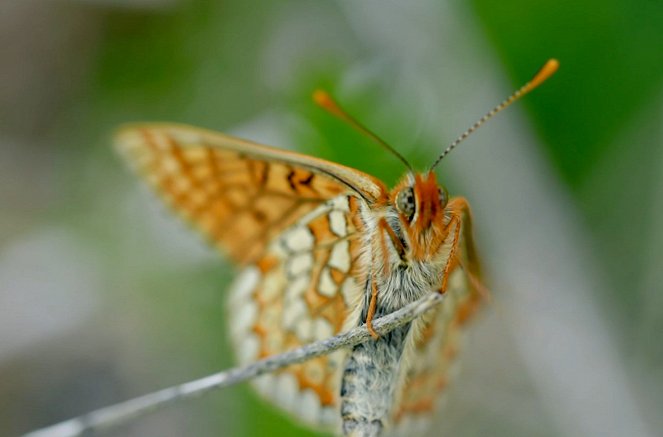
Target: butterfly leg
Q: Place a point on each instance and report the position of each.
(395, 241)
(472, 264)
(455, 224)
(371, 310)
(469, 262)
(461, 221)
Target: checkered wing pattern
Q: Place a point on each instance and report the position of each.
(239, 194)
(292, 222)
(301, 291)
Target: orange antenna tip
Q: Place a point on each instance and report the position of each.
(325, 101)
(548, 69)
(321, 97)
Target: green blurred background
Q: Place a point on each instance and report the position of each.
(104, 296)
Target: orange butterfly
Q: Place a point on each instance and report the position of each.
(325, 248)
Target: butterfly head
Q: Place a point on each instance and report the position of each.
(421, 204)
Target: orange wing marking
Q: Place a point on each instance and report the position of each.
(238, 201)
(301, 296)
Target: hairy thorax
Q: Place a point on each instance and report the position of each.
(374, 370)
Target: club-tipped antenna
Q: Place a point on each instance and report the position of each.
(325, 101)
(544, 73)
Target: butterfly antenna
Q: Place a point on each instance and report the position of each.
(544, 73)
(325, 101)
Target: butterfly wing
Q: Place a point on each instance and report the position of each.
(292, 221)
(239, 194)
(433, 358)
(301, 291)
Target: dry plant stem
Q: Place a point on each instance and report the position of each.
(118, 414)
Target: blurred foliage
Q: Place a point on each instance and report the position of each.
(611, 65)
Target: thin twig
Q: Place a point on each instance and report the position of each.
(114, 415)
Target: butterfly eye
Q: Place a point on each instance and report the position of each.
(405, 202)
(443, 196)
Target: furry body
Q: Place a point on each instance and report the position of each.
(375, 370)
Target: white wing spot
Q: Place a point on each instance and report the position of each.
(265, 384)
(300, 263)
(245, 284)
(247, 349)
(295, 289)
(286, 391)
(322, 329)
(304, 329)
(243, 318)
(337, 223)
(340, 203)
(299, 239)
(309, 406)
(340, 256)
(326, 285)
(293, 313)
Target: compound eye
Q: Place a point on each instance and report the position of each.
(443, 196)
(405, 202)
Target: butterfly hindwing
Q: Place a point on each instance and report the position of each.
(300, 291)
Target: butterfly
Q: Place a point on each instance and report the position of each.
(324, 248)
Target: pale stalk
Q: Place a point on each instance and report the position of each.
(118, 414)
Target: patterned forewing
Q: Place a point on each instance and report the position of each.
(300, 291)
(239, 194)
